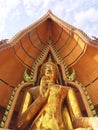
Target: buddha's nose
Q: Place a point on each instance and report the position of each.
(49, 70)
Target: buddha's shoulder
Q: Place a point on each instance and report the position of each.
(62, 87)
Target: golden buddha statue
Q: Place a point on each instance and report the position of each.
(49, 106)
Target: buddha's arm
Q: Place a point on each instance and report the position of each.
(27, 99)
(44, 87)
(73, 105)
(24, 106)
(29, 112)
(87, 122)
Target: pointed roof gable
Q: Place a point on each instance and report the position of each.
(61, 23)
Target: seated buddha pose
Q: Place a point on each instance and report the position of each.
(49, 106)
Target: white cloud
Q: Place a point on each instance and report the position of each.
(87, 20)
(31, 6)
(6, 7)
(90, 15)
(80, 13)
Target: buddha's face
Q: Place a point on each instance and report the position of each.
(50, 71)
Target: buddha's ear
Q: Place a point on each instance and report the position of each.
(57, 81)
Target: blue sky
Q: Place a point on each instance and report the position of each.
(15, 15)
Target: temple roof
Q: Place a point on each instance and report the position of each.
(62, 25)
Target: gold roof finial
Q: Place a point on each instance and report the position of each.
(49, 41)
(49, 58)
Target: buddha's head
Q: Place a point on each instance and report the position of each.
(50, 70)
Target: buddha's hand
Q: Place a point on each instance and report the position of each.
(87, 122)
(44, 89)
(93, 122)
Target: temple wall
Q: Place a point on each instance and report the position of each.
(11, 73)
(87, 72)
